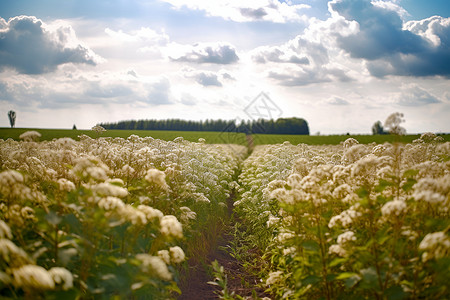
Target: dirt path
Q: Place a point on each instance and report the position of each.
(196, 286)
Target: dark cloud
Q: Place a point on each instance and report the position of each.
(255, 14)
(27, 46)
(389, 48)
(217, 54)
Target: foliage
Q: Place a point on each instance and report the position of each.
(377, 128)
(12, 118)
(280, 126)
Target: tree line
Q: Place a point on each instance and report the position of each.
(279, 126)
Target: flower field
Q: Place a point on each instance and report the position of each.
(107, 218)
(119, 218)
(350, 221)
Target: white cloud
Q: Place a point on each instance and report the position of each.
(414, 95)
(245, 11)
(32, 47)
(337, 101)
(213, 53)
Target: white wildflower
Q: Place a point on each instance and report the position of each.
(346, 237)
(66, 185)
(285, 236)
(346, 217)
(274, 277)
(289, 251)
(155, 265)
(200, 197)
(5, 231)
(126, 169)
(96, 173)
(164, 255)
(337, 249)
(272, 221)
(157, 177)
(33, 277)
(30, 136)
(187, 214)
(62, 276)
(176, 254)
(110, 203)
(65, 142)
(435, 245)
(171, 227)
(98, 129)
(10, 253)
(108, 189)
(133, 215)
(395, 207)
(150, 212)
(429, 196)
(349, 143)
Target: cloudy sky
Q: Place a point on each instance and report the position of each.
(341, 64)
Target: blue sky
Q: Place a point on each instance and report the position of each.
(341, 64)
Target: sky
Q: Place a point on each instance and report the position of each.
(341, 65)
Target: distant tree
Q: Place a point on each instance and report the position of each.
(377, 128)
(392, 123)
(12, 118)
(74, 127)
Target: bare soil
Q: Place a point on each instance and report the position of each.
(240, 281)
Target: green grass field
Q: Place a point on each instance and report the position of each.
(262, 139)
(213, 137)
(210, 137)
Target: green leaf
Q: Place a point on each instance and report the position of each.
(396, 293)
(410, 173)
(382, 185)
(312, 279)
(337, 261)
(346, 275)
(410, 182)
(362, 193)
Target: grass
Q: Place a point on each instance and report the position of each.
(210, 137)
(261, 139)
(214, 137)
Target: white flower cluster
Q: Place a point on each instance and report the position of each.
(155, 190)
(21, 270)
(435, 245)
(346, 189)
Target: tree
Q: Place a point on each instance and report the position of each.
(12, 118)
(377, 128)
(392, 123)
